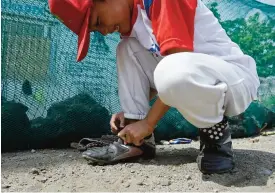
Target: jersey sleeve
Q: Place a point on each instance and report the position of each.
(173, 23)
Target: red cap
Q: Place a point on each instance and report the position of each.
(75, 14)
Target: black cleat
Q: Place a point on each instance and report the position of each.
(117, 152)
(216, 154)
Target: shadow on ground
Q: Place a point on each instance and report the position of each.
(253, 167)
(175, 156)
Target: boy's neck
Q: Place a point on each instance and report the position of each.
(131, 6)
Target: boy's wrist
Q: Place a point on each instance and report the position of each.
(156, 113)
(151, 123)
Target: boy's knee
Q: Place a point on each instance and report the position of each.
(174, 77)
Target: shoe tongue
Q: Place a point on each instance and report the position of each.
(116, 143)
(113, 147)
(118, 148)
(119, 141)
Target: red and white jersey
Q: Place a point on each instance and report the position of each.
(163, 24)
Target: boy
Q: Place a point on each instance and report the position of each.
(177, 49)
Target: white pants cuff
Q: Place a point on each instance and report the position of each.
(132, 116)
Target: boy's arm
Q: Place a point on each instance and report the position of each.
(159, 108)
(156, 113)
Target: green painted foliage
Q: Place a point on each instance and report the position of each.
(256, 38)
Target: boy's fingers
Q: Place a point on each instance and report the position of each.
(112, 124)
(138, 143)
(123, 134)
(122, 121)
(129, 138)
(114, 131)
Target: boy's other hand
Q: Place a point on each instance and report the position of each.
(117, 122)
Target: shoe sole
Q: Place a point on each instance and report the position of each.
(231, 170)
(94, 161)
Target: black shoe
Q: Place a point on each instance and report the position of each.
(216, 154)
(117, 152)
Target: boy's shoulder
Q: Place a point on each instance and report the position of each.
(155, 10)
(157, 22)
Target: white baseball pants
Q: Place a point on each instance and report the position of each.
(201, 87)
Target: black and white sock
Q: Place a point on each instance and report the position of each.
(215, 132)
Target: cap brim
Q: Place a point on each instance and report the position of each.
(84, 38)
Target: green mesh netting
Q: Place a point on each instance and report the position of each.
(49, 100)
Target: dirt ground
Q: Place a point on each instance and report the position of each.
(174, 169)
